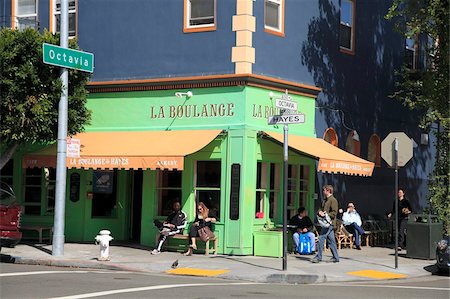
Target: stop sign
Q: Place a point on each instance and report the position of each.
(405, 148)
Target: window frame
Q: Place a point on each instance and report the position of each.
(353, 146)
(414, 50)
(197, 28)
(54, 12)
(16, 16)
(332, 135)
(273, 30)
(344, 49)
(159, 188)
(374, 145)
(46, 184)
(218, 189)
(268, 191)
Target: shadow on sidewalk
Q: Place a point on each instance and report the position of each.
(244, 262)
(6, 258)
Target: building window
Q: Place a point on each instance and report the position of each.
(274, 16)
(104, 190)
(6, 173)
(39, 191)
(72, 17)
(347, 26)
(374, 150)
(199, 15)
(330, 136)
(168, 190)
(207, 184)
(353, 145)
(267, 172)
(411, 47)
(298, 183)
(25, 14)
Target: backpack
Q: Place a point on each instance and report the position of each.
(304, 245)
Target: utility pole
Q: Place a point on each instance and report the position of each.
(61, 170)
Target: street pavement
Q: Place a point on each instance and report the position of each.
(368, 264)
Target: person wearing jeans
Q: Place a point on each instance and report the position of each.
(352, 223)
(327, 220)
(302, 224)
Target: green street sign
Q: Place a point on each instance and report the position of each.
(68, 58)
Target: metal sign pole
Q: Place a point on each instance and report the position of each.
(61, 171)
(285, 195)
(396, 200)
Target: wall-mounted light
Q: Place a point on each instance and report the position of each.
(355, 135)
(424, 139)
(271, 95)
(188, 94)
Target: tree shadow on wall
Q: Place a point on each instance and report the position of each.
(359, 84)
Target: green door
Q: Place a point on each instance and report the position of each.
(75, 205)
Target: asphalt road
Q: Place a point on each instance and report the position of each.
(24, 281)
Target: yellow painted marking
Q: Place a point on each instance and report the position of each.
(196, 272)
(377, 274)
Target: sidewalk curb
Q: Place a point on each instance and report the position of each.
(75, 264)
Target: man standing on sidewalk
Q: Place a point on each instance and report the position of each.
(330, 208)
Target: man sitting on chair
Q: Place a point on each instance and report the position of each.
(174, 224)
(302, 224)
(352, 223)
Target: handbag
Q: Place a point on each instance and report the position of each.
(205, 234)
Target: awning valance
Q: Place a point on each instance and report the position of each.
(128, 150)
(331, 158)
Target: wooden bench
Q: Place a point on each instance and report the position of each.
(186, 237)
(39, 229)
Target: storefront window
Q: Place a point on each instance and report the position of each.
(298, 183)
(261, 188)
(104, 189)
(39, 190)
(264, 172)
(168, 188)
(292, 190)
(6, 174)
(207, 186)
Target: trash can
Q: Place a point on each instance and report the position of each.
(423, 233)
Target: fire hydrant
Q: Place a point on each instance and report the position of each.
(103, 238)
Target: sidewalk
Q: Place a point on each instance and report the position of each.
(371, 263)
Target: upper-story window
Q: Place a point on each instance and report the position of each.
(199, 15)
(374, 150)
(411, 47)
(25, 14)
(347, 26)
(72, 17)
(353, 145)
(274, 16)
(330, 136)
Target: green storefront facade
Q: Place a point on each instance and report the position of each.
(238, 174)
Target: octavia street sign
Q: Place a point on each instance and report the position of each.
(286, 119)
(68, 58)
(283, 104)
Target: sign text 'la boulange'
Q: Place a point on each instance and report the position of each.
(208, 110)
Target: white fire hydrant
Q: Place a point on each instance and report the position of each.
(103, 238)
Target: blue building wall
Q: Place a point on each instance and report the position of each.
(138, 39)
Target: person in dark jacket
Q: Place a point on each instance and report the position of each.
(174, 224)
(404, 209)
(204, 217)
(302, 224)
(329, 209)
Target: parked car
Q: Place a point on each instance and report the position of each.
(10, 213)
(442, 255)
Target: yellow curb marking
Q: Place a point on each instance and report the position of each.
(377, 274)
(196, 272)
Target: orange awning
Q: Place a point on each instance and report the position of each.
(128, 150)
(331, 158)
